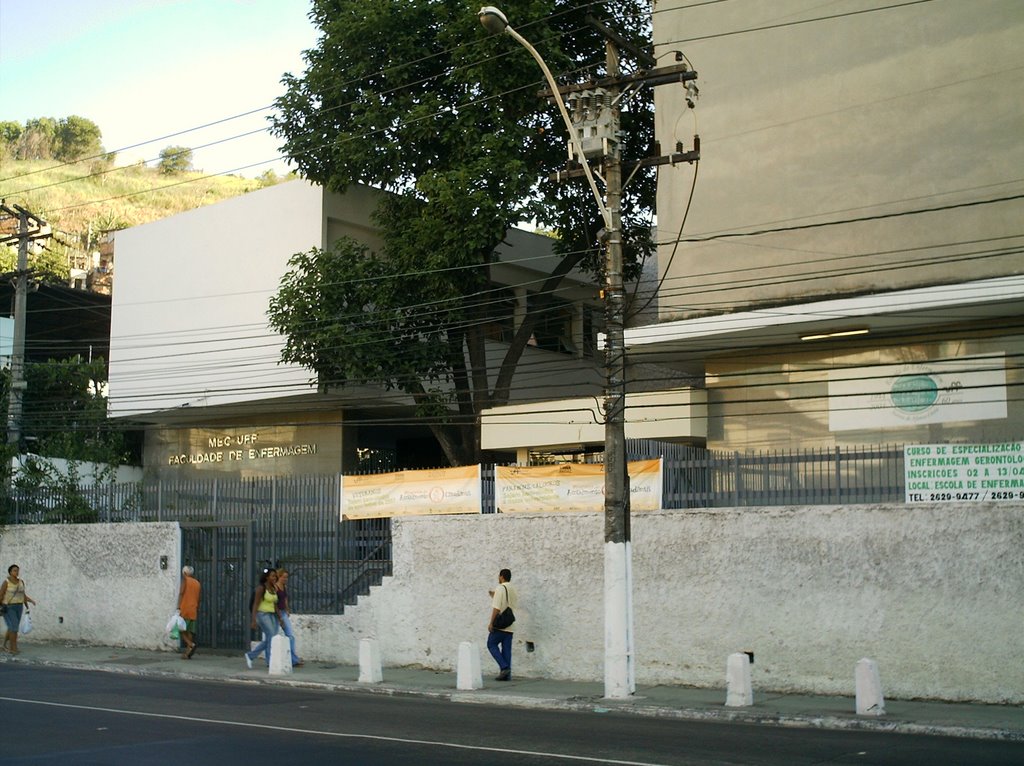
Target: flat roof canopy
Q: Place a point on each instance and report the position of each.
(877, 313)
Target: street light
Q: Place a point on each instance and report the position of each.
(495, 22)
(620, 659)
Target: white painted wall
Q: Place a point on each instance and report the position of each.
(188, 320)
(933, 593)
(87, 472)
(104, 580)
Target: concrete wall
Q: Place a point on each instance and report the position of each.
(933, 593)
(883, 112)
(97, 583)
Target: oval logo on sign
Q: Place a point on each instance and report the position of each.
(913, 393)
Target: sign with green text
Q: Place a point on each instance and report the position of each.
(939, 473)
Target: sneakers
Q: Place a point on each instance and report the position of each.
(248, 660)
(505, 675)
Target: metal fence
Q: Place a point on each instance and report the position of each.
(698, 478)
(294, 521)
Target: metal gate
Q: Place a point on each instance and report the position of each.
(221, 554)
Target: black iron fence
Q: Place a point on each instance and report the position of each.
(295, 521)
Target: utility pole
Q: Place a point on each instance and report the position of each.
(619, 665)
(30, 227)
(595, 108)
(595, 135)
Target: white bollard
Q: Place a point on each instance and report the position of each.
(469, 676)
(369, 662)
(739, 689)
(869, 688)
(280, 655)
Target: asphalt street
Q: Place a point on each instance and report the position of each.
(81, 717)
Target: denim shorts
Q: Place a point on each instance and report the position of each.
(13, 616)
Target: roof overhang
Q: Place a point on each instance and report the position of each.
(877, 313)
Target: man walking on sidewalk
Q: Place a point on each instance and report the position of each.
(188, 607)
(499, 639)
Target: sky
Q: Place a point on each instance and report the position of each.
(145, 69)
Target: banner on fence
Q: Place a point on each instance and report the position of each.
(572, 487)
(411, 493)
(943, 473)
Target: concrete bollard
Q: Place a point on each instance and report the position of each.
(369, 662)
(739, 690)
(869, 688)
(280, 655)
(469, 676)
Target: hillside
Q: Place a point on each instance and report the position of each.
(91, 197)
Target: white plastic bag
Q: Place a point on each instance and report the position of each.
(25, 626)
(175, 625)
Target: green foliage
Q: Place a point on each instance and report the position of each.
(131, 195)
(10, 134)
(414, 97)
(38, 139)
(175, 160)
(64, 415)
(57, 497)
(48, 265)
(76, 137)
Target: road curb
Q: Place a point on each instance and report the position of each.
(594, 705)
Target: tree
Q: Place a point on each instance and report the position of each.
(175, 160)
(10, 134)
(64, 416)
(38, 139)
(65, 412)
(415, 98)
(76, 137)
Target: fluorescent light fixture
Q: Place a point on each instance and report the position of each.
(835, 334)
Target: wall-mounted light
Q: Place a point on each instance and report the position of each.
(835, 334)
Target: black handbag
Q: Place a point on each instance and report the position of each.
(506, 617)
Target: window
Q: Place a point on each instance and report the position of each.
(499, 308)
(553, 330)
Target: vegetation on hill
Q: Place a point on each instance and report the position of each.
(83, 200)
(57, 169)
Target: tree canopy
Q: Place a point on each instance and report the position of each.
(174, 160)
(414, 97)
(43, 138)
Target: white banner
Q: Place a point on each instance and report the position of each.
(971, 388)
(411, 493)
(940, 473)
(572, 487)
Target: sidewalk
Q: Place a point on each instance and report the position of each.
(934, 718)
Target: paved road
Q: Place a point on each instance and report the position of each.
(73, 717)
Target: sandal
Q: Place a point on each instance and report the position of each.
(190, 652)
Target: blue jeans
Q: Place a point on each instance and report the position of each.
(286, 628)
(267, 622)
(499, 644)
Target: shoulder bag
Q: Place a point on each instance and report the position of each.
(506, 617)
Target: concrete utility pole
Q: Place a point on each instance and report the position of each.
(619, 662)
(594, 134)
(30, 227)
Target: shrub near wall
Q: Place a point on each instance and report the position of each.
(933, 593)
(97, 583)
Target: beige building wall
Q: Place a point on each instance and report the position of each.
(780, 398)
(821, 113)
